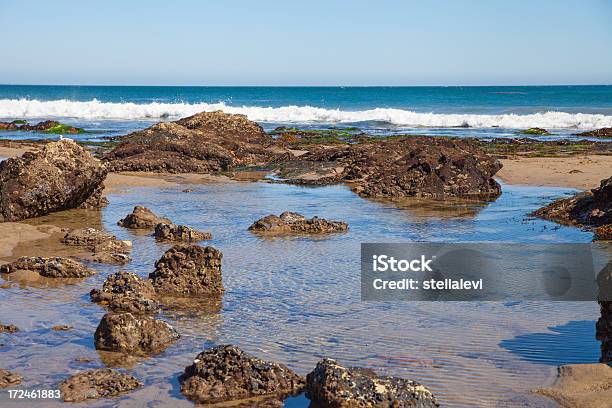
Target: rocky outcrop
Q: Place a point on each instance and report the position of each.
(535, 131)
(333, 386)
(126, 292)
(141, 218)
(61, 176)
(408, 167)
(8, 328)
(203, 143)
(188, 270)
(105, 248)
(226, 373)
(294, 223)
(603, 328)
(603, 132)
(590, 210)
(47, 126)
(49, 267)
(9, 379)
(133, 334)
(179, 233)
(94, 384)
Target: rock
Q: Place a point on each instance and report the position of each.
(408, 167)
(61, 327)
(294, 223)
(132, 334)
(48, 126)
(8, 328)
(173, 232)
(127, 292)
(332, 385)
(93, 384)
(603, 327)
(141, 218)
(61, 176)
(535, 131)
(57, 267)
(106, 247)
(9, 379)
(203, 143)
(226, 373)
(603, 132)
(188, 270)
(590, 210)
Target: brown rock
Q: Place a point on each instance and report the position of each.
(127, 292)
(132, 334)
(94, 384)
(57, 267)
(334, 386)
(9, 379)
(226, 373)
(141, 218)
(61, 327)
(188, 270)
(603, 132)
(106, 247)
(294, 223)
(181, 233)
(8, 328)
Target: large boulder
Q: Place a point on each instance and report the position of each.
(590, 210)
(133, 334)
(141, 218)
(333, 386)
(407, 167)
(226, 373)
(61, 176)
(188, 270)
(126, 292)
(294, 223)
(94, 384)
(57, 267)
(179, 233)
(203, 143)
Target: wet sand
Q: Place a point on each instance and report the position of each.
(580, 172)
(581, 386)
(13, 151)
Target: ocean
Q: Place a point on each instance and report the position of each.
(484, 111)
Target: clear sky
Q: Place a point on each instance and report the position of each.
(291, 42)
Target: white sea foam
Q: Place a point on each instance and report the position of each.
(94, 109)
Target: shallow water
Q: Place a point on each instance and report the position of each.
(296, 300)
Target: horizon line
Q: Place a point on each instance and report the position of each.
(311, 86)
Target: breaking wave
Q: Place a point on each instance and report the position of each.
(94, 109)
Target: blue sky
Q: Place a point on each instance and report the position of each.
(180, 42)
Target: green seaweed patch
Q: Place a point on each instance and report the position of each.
(19, 122)
(296, 136)
(535, 131)
(64, 129)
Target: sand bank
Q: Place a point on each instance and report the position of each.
(581, 172)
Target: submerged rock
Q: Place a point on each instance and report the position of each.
(203, 143)
(188, 270)
(226, 373)
(61, 176)
(603, 132)
(8, 328)
(127, 292)
(291, 222)
(535, 131)
(9, 379)
(48, 126)
(57, 267)
(106, 247)
(141, 218)
(181, 233)
(591, 210)
(332, 385)
(133, 334)
(94, 384)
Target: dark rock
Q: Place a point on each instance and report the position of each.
(48, 126)
(49, 267)
(333, 386)
(603, 132)
(8, 328)
(9, 379)
(226, 373)
(101, 383)
(603, 327)
(61, 176)
(141, 218)
(126, 292)
(535, 131)
(133, 334)
(203, 143)
(189, 270)
(294, 223)
(182, 233)
(590, 210)
(106, 247)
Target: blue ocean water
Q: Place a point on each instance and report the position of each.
(463, 111)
